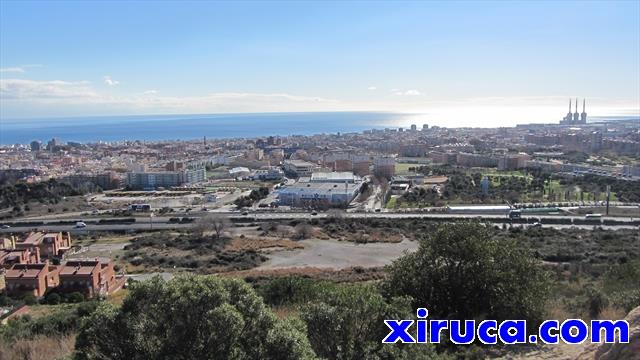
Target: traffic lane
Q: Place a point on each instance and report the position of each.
(138, 227)
(100, 227)
(267, 215)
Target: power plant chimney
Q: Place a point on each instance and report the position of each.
(583, 116)
(569, 115)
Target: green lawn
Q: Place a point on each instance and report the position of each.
(403, 168)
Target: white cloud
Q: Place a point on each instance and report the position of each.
(45, 90)
(411, 92)
(19, 69)
(372, 88)
(111, 82)
(12, 70)
(64, 97)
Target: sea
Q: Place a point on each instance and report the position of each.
(218, 126)
(188, 127)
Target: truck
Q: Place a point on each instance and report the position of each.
(140, 207)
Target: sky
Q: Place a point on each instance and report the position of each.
(459, 62)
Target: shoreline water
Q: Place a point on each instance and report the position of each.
(189, 127)
(196, 126)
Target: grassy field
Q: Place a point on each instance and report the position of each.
(403, 168)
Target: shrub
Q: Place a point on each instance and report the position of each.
(199, 317)
(462, 271)
(53, 299)
(75, 297)
(30, 299)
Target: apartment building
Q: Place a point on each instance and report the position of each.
(10, 257)
(35, 279)
(165, 179)
(89, 277)
(384, 167)
(49, 244)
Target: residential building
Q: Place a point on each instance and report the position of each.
(164, 179)
(89, 277)
(384, 167)
(476, 160)
(49, 244)
(361, 164)
(35, 279)
(10, 257)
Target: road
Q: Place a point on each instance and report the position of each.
(144, 222)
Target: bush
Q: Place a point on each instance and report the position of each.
(30, 299)
(198, 317)
(347, 322)
(53, 299)
(75, 297)
(461, 271)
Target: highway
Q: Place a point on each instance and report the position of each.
(147, 223)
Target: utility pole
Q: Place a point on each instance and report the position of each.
(608, 197)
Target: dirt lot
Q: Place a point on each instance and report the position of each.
(338, 254)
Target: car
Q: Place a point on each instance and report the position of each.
(314, 213)
(377, 210)
(5, 226)
(536, 224)
(245, 213)
(80, 225)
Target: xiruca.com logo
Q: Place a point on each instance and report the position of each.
(571, 331)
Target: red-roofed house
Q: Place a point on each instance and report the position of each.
(50, 244)
(8, 258)
(89, 277)
(31, 278)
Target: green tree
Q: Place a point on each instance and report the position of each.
(190, 317)
(347, 322)
(462, 271)
(53, 299)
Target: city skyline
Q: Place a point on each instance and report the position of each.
(428, 58)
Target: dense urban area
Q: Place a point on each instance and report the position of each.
(313, 241)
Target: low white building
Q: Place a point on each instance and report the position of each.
(299, 168)
(323, 194)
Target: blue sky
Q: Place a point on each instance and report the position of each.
(448, 59)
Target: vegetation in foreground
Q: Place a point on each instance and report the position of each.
(460, 271)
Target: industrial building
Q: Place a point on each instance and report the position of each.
(299, 168)
(575, 118)
(335, 177)
(272, 173)
(318, 194)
